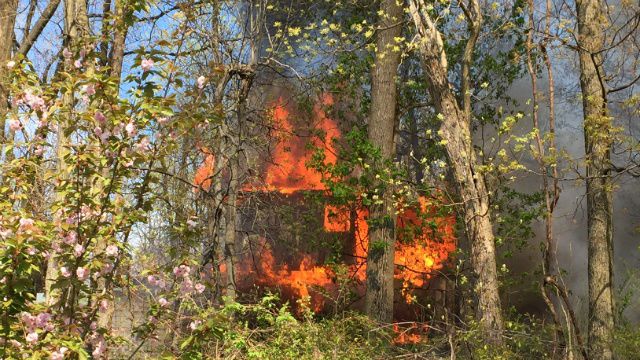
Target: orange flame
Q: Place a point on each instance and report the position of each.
(425, 239)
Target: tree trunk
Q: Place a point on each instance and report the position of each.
(8, 10)
(382, 119)
(76, 30)
(598, 139)
(456, 137)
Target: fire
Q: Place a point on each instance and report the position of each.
(409, 335)
(301, 283)
(425, 239)
(289, 172)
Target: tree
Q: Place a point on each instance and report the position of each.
(7, 20)
(456, 137)
(598, 140)
(382, 122)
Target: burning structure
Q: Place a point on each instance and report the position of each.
(297, 242)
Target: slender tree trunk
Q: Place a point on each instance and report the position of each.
(8, 10)
(76, 31)
(456, 135)
(598, 140)
(382, 119)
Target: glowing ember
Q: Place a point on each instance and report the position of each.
(412, 334)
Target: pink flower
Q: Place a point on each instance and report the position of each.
(201, 81)
(58, 354)
(163, 302)
(99, 349)
(26, 224)
(194, 324)
(39, 150)
(32, 337)
(82, 273)
(78, 250)
(181, 271)
(65, 272)
(186, 286)
(15, 125)
(28, 320)
(89, 89)
(131, 129)
(192, 223)
(77, 64)
(70, 238)
(111, 250)
(43, 319)
(152, 280)
(11, 64)
(146, 64)
(163, 120)
(199, 288)
(99, 117)
(104, 305)
(5, 233)
(31, 251)
(66, 53)
(102, 135)
(144, 145)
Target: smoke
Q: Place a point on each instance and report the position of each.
(570, 217)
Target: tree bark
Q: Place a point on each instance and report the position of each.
(8, 9)
(456, 135)
(382, 119)
(598, 140)
(76, 31)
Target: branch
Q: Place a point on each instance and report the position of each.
(42, 22)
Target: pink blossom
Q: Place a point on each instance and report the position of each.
(28, 320)
(31, 251)
(194, 324)
(34, 101)
(163, 302)
(11, 64)
(32, 337)
(102, 135)
(99, 117)
(66, 53)
(39, 150)
(15, 125)
(5, 233)
(131, 129)
(199, 288)
(186, 286)
(144, 145)
(152, 319)
(70, 238)
(82, 273)
(26, 224)
(106, 268)
(99, 348)
(65, 272)
(89, 89)
(112, 250)
(104, 305)
(146, 64)
(163, 120)
(181, 271)
(42, 320)
(152, 280)
(77, 63)
(192, 223)
(59, 354)
(78, 250)
(201, 82)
